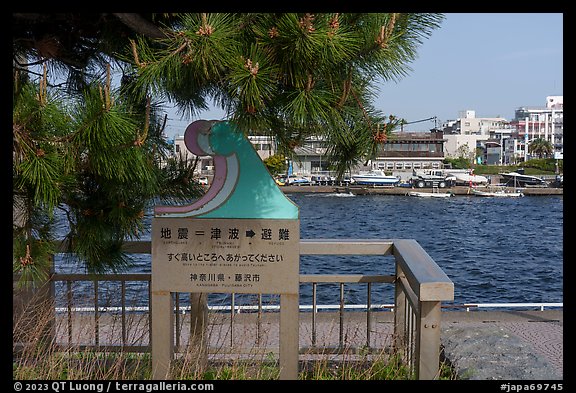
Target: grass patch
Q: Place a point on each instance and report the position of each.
(90, 365)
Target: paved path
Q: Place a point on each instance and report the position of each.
(483, 345)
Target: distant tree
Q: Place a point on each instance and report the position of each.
(541, 147)
(276, 164)
(464, 152)
(458, 163)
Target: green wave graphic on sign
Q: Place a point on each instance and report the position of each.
(242, 186)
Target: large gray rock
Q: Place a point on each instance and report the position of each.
(491, 352)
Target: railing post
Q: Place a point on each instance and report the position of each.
(428, 340)
(399, 314)
(425, 286)
(289, 333)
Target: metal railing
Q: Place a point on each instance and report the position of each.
(419, 288)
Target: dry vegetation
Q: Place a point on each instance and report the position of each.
(41, 351)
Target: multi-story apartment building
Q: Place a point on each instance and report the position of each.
(468, 124)
(538, 122)
(468, 133)
(504, 142)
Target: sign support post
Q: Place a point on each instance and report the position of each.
(289, 336)
(162, 336)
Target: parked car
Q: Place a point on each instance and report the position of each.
(296, 180)
(322, 180)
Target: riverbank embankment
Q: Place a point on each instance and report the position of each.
(365, 190)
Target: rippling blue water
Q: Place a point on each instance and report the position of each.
(495, 250)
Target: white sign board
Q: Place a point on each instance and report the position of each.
(226, 255)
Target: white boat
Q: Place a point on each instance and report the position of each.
(375, 178)
(340, 194)
(497, 193)
(295, 180)
(430, 194)
(467, 176)
(517, 179)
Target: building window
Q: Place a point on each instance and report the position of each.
(408, 165)
(399, 165)
(416, 165)
(389, 165)
(319, 166)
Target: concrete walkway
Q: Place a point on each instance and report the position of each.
(480, 345)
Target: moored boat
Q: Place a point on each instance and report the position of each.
(497, 193)
(375, 178)
(423, 194)
(467, 176)
(517, 179)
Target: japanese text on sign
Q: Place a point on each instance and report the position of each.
(227, 255)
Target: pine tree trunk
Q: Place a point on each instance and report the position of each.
(198, 344)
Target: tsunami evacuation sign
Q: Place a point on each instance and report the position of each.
(241, 236)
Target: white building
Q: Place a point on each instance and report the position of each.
(462, 145)
(540, 123)
(555, 102)
(468, 124)
(468, 132)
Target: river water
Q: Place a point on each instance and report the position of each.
(495, 250)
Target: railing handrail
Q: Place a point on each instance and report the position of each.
(426, 278)
(275, 307)
(304, 278)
